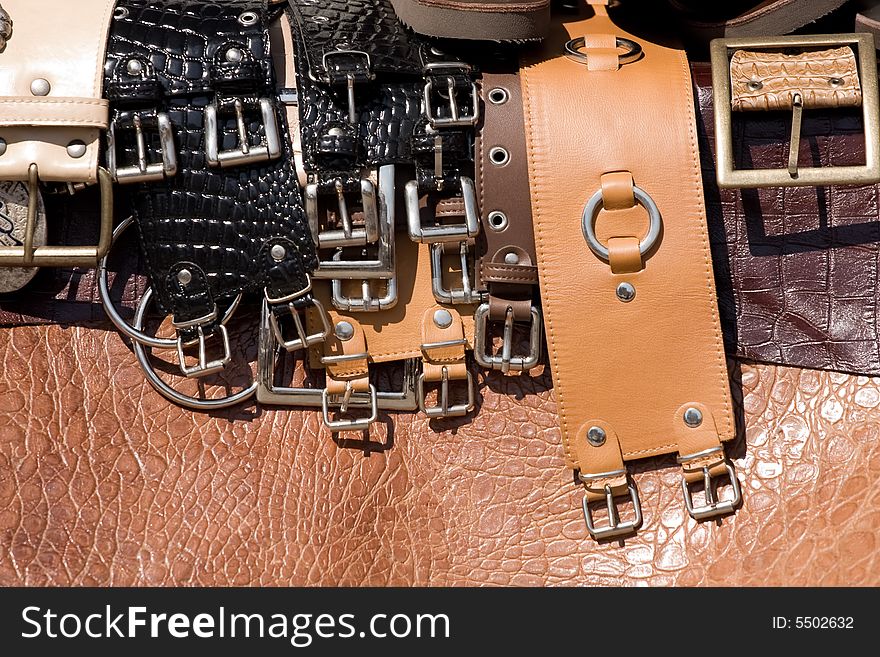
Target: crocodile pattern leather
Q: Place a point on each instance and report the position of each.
(103, 482)
(762, 81)
(213, 222)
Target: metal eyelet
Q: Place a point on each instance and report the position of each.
(498, 221)
(120, 12)
(248, 18)
(498, 96)
(499, 156)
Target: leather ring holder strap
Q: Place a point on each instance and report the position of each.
(634, 336)
(508, 270)
(194, 82)
(52, 115)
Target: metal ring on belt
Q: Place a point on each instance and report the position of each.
(595, 205)
(632, 50)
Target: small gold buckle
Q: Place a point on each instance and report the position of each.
(793, 176)
(29, 255)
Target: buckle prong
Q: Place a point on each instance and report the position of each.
(797, 117)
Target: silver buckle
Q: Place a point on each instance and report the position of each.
(349, 77)
(204, 367)
(271, 394)
(443, 409)
(614, 528)
(348, 235)
(383, 266)
(350, 398)
(466, 294)
(368, 302)
(304, 339)
(143, 171)
(443, 232)
(506, 361)
(244, 153)
(455, 118)
(713, 507)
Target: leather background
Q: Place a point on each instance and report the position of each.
(103, 482)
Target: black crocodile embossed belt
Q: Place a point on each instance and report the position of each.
(198, 132)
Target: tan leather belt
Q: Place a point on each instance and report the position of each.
(52, 113)
(628, 293)
(508, 270)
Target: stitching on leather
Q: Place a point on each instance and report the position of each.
(539, 244)
(690, 112)
(53, 102)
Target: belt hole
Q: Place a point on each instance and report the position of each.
(498, 96)
(498, 221)
(499, 156)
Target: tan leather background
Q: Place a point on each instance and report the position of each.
(103, 482)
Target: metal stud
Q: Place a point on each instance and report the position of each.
(248, 18)
(626, 292)
(443, 318)
(76, 149)
(134, 67)
(835, 82)
(234, 55)
(2, 146)
(755, 85)
(40, 87)
(693, 417)
(278, 253)
(596, 436)
(511, 259)
(184, 277)
(344, 331)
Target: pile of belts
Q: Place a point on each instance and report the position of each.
(364, 194)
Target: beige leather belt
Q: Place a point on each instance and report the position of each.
(628, 293)
(52, 113)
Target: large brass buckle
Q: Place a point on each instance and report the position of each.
(28, 255)
(729, 177)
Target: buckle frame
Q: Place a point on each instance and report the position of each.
(614, 528)
(443, 409)
(448, 232)
(713, 508)
(29, 255)
(350, 398)
(205, 367)
(506, 362)
(304, 339)
(367, 303)
(466, 294)
(732, 178)
(455, 118)
(350, 78)
(144, 171)
(347, 235)
(244, 153)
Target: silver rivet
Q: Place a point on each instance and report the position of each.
(336, 132)
(499, 156)
(120, 12)
(234, 55)
(76, 149)
(278, 253)
(40, 87)
(184, 277)
(693, 417)
(498, 96)
(511, 259)
(443, 318)
(596, 436)
(626, 292)
(754, 85)
(835, 82)
(344, 331)
(134, 67)
(498, 221)
(2, 146)
(248, 18)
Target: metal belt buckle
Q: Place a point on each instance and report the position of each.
(443, 409)
(378, 231)
(349, 75)
(614, 528)
(729, 177)
(244, 153)
(204, 367)
(506, 361)
(303, 338)
(349, 398)
(713, 507)
(28, 255)
(143, 171)
(448, 71)
(368, 302)
(443, 232)
(466, 294)
(268, 392)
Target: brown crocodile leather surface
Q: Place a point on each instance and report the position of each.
(102, 482)
(762, 81)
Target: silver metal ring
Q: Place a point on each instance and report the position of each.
(136, 335)
(595, 205)
(166, 390)
(632, 50)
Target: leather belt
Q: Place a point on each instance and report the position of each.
(626, 278)
(196, 129)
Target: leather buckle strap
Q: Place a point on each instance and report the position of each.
(303, 338)
(349, 75)
(244, 153)
(707, 462)
(444, 356)
(797, 92)
(466, 294)
(506, 361)
(143, 171)
(29, 255)
(615, 528)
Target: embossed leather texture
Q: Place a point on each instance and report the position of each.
(104, 482)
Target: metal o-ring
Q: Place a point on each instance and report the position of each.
(135, 333)
(632, 50)
(595, 205)
(166, 390)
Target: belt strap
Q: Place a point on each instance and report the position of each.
(633, 332)
(51, 109)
